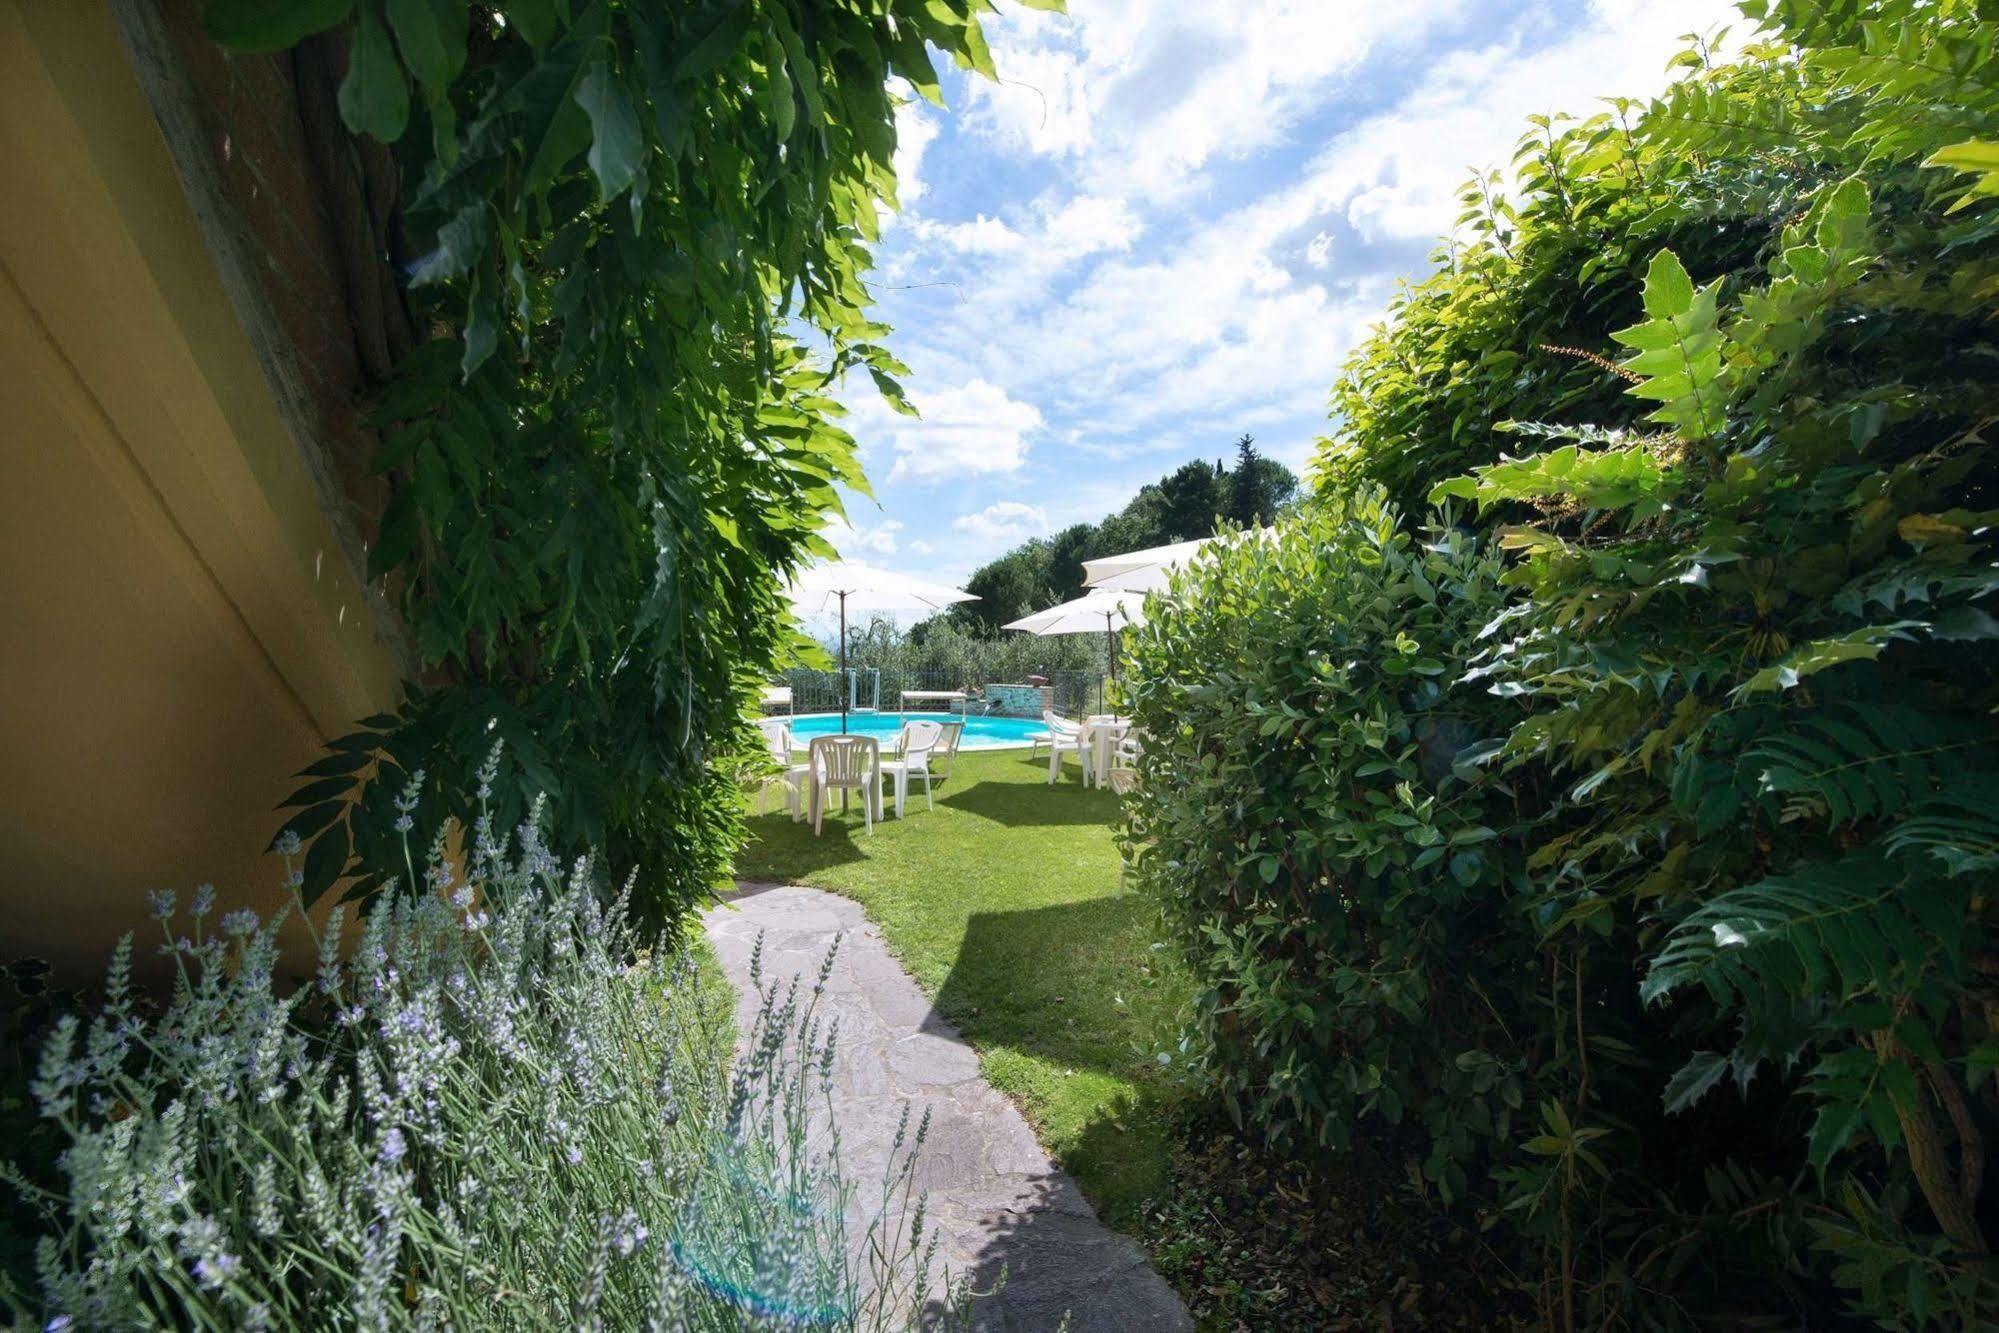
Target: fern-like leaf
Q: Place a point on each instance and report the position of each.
(1959, 828)
(1840, 928)
(1676, 351)
(1858, 763)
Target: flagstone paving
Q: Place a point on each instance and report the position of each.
(998, 1202)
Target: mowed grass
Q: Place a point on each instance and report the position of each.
(1004, 904)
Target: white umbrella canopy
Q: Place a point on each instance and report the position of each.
(1148, 570)
(1139, 571)
(852, 585)
(1086, 614)
(864, 587)
(1098, 609)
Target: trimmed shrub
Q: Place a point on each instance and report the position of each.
(1342, 872)
(502, 1110)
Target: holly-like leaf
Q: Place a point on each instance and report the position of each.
(1809, 658)
(1833, 1129)
(1694, 1080)
(1669, 292)
(1976, 157)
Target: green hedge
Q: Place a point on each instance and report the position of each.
(1312, 830)
(1738, 933)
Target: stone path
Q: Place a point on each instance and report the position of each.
(996, 1198)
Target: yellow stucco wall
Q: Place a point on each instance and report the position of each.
(179, 628)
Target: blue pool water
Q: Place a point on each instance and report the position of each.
(981, 733)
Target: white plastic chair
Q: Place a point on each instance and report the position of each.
(1124, 764)
(1056, 724)
(913, 748)
(1065, 737)
(947, 747)
(777, 744)
(845, 763)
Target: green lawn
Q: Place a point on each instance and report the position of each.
(1004, 904)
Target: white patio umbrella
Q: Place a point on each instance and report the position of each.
(1095, 610)
(862, 587)
(1148, 570)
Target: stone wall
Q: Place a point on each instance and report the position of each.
(1017, 700)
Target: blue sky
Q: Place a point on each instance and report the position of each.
(1168, 224)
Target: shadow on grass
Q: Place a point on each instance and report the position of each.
(783, 851)
(1041, 979)
(1040, 982)
(1031, 804)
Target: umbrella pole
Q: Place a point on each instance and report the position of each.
(846, 688)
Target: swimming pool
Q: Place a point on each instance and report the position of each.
(981, 733)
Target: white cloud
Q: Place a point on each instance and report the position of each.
(1148, 94)
(973, 428)
(1088, 224)
(1245, 318)
(981, 236)
(915, 130)
(1396, 175)
(855, 542)
(1050, 235)
(1166, 280)
(1004, 520)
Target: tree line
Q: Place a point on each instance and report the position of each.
(1183, 505)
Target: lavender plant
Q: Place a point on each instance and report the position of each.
(497, 1109)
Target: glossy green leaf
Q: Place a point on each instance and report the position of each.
(715, 37)
(270, 25)
(616, 143)
(431, 35)
(535, 20)
(374, 99)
